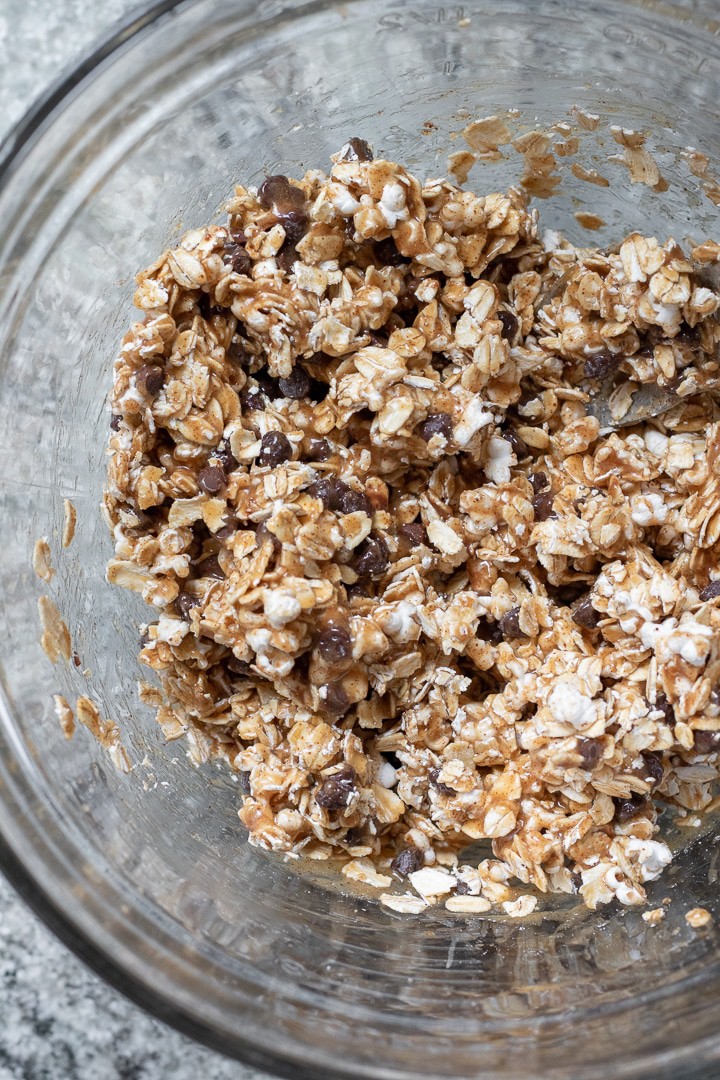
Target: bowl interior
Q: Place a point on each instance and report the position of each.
(265, 958)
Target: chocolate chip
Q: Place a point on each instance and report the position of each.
(115, 421)
(296, 385)
(336, 700)
(413, 534)
(711, 591)
(519, 446)
(387, 254)
(444, 789)
(510, 625)
(352, 501)
(275, 448)
(510, 325)
(407, 861)
(662, 703)
(238, 258)
(436, 424)
(287, 257)
(211, 479)
(652, 767)
(539, 482)
(149, 379)
(601, 364)
(295, 223)
(185, 602)
(238, 353)
(626, 809)
(229, 529)
(542, 505)
(371, 558)
(275, 190)
(590, 751)
(224, 455)
(356, 150)
(462, 888)
(76, 660)
(357, 591)
(335, 792)
(210, 567)
(706, 742)
(319, 450)
(253, 400)
(586, 615)
(330, 490)
(335, 645)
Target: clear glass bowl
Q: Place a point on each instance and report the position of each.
(148, 876)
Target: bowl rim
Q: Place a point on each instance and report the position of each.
(13, 147)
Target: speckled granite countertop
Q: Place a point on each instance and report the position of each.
(57, 1020)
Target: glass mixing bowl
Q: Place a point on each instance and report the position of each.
(148, 876)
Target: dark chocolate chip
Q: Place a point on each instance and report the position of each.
(335, 792)
(296, 385)
(185, 602)
(626, 809)
(407, 861)
(356, 150)
(462, 888)
(711, 591)
(652, 767)
(115, 421)
(510, 325)
(335, 645)
(238, 354)
(662, 703)
(229, 529)
(413, 534)
(601, 364)
(211, 479)
(706, 742)
(519, 446)
(225, 456)
(336, 700)
(444, 789)
(590, 751)
(586, 615)
(275, 448)
(253, 400)
(542, 505)
(149, 379)
(436, 424)
(371, 558)
(539, 482)
(330, 490)
(295, 223)
(210, 567)
(277, 192)
(510, 625)
(352, 501)
(318, 450)
(240, 261)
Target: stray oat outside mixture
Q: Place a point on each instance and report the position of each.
(405, 584)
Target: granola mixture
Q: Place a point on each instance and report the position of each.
(404, 582)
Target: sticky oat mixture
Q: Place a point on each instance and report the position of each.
(404, 583)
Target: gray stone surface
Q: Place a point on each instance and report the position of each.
(57, 1020)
